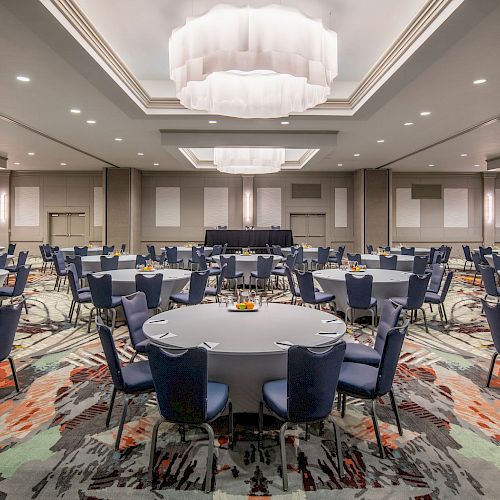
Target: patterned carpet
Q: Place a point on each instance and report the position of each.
(53, 442)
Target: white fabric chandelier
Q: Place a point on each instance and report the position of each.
(249, 160)
(249, 62)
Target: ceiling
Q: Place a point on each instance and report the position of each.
(436, 76)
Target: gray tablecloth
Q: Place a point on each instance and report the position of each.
(92, 263)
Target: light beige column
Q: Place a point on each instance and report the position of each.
(489, 208)
(4, 208)
(377, 204)
(359, 210)
(248, 208)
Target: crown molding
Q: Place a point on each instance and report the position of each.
(430, 17)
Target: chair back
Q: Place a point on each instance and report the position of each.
(417, 288)
(73, 281)
(202, 261)
(109, 263)
(3, 260)
(359, 290)
(135, 307)
(291, 283)
(419, 264)
(407, 250)
(389, 317)
(172, 255)
(341, 251)
(467, 254)
(9, 319)
(389, 358)
(306, 286)
(323, 254)
(197, 285)
(81, 251)
(123, 248)
(151, 251)
(277, 250)
(485, 251)
(220, 281)
(446, 254)
(369, 249)
(59, 264)
(492, 312)
(42, 254)
(22, 275)
(48, 250)
(446, 286)
(489, 280)
(389, 262)
(387, 249)
(195, 253)
(290, 261)
(108, 249)
(436, 278)
(101, 290)
(151, 287)
(299, 255)
(180, 380)
(112, 359)
(230, 263)
(21, 260)
(264, 266)
(216, 250)
(11, 249)
(476, 258)
(354, 257)
(496, 261)
(141, 260)
(312, 378)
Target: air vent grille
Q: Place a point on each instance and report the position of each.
(309, 191)
(426, 191)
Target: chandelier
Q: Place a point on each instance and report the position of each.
(249, 160)
(248, 62)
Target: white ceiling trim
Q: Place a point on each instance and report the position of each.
(428, 20)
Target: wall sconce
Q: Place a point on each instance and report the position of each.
(3, 208)
(247, 207)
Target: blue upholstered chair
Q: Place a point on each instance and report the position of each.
(151, 286)
(12, 292)
(308, 293)
(363, 381)
(280, 272)
(61, 271)
(11, 249)
(485, 251)
(131, 379)
(9, 319)
(77, 262)
(359, 296)
(173, 258)
(476, 259)
(492, 312)
(389, 262)
(294, 290)
(123, 248)
(361, 353)
(203, 266)
(194, 261)
(298, 252)
(322, 260)
(408, 251)
(369, 249)
(46, 258)
(106, 250)
(81, 251)
(419, 264)
(197, 285)
(354, 257)
(417, 288)
(446, 252)
(306, 395)
(103, 300)
(488, 276)
(437, 273)
(264, 269)
(21, 261)
(152, 253)
(109, 263)
(231, 274)
(79, 296)
(3, 260)
(467, 256)
(214, 291)
(439, 298)
(277, 250)
(135, 307)
(216, 251)
(337, 258)
(142, 260)
(186, 397)
(496, 262)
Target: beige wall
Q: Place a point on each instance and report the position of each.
(377, 199)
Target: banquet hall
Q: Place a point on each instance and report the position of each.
(249, 249)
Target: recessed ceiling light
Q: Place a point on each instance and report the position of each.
(212, 122)
(357, 154)
(62, 164)
(140, 154)
(463, 154)
(75, 111)
(119, 139)
(23, 78)
(31, 154)
(407, 124)
(425, 113)
(431, 165)
(285, 123)
(156, 164)
(16, 163)
(339, 164)
(91, 122)
(479, 81)
(380, 140)
(476, 165)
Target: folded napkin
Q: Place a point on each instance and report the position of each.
(284, 344)
(157, 321)
(209, 345)
(329, 334)
(335, 321)
(166, 335)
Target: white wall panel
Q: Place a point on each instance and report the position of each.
(340, 207)
(456, 207)
(268, 207)
(27, 206)
(98, 206)
(407, 210)
(497, 207)
(215, 206)
(168, 207)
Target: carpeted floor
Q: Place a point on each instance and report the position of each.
(53, 442)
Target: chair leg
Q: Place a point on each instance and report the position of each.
(77, 314)
(113, 319)
(344, 398)
(122, 423)
(154, 438)
(90, 319)
(338, 446)
(71, 309)
(261, 422)
(425, 319)
(231, 425)
(372, 312)
(444, 312)
(14, 374)
(284, 473)
(395, 409)
(110, 409)
(339, 401)
(377, 431)
(308, 433)
(492, 365)
(210, 457)
(133, 357)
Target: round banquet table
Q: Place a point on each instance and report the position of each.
(405, 262)
(92, 263)
(418, 251)
(489, 258)
(245, 355)
(494, 250)
(3, 276)
(185, 253)
(386, 284)
(248, 263)
(70, 251)
(174, 280)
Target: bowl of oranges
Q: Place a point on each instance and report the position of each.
(247, 306)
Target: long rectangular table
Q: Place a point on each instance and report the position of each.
(249, 238)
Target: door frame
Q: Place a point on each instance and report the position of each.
(320, 211)
(67, 210)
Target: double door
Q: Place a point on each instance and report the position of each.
(308, 228)
(67, 229)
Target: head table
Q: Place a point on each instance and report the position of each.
(244, 353)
